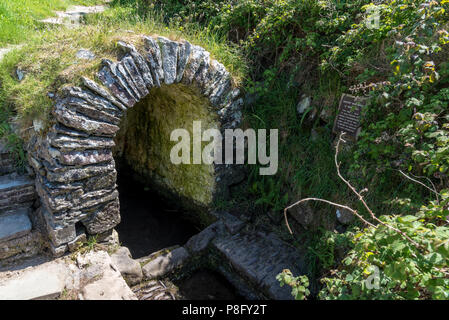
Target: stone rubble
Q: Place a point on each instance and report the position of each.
(165, 263)
(18, 239)
(129, 268)
(93, 276)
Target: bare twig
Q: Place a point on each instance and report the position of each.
(434, 190)
(328, 202)
(359, 196)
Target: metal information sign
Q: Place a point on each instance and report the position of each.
(348, 116)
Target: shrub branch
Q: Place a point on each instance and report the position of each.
(354, 212)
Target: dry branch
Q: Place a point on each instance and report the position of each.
(359, 196)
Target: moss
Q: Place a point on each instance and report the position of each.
(145, 137)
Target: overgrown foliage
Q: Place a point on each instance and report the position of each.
(320, 49)
(403, 63)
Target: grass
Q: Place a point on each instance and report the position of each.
(48, 58)
(19, 18)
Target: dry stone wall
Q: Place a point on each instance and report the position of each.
(73, 160)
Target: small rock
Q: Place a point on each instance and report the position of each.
(303, 104)
(20, 74)
(326, 114)
(232, 224)
(129, 268)
(38, 125)
(200, 241)
(302, 214)
(77, 242)
(85, 54)
(164, 264)
(344, 216)
(104, 280)
(109, 237)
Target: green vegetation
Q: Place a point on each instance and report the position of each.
(19, 18)
(48, 61)
(322, 48)
(280, 50)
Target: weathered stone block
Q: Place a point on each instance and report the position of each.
(105, 219)
(154, 59)
(60, 236)
(169, 53)
(72, 119)
(259, 258)
(184, 50)
(129, 268)
(200, 241)
(16, 191)
(102, 92)
(134, 75)
(116, 88)
(140, 63)
(14, 225)
(76, 243)
(165, 263)
(198, 57)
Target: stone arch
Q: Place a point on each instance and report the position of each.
(73, 160)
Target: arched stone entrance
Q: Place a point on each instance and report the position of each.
(73, 160)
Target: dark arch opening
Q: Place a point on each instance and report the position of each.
(162, 204)
(149, 222)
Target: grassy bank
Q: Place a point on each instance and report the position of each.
(20, 18)
(48, 61)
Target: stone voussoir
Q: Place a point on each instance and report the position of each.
(154, 58)
(140, 63)
(169, 54)
(73, 162)
(118, 90)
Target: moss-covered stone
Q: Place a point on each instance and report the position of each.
(144, 142)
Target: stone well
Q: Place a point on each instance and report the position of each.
(165, 85)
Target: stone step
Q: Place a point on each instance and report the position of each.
(14, 225)
(259, 258)
(16, 191)
(45, 281)
(72, 17)
(7, 164)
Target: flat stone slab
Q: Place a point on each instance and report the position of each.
(4, 51)
(260, 258)
(11, 181)
(45, 281)
(72, 15)
(14, 225)
(104, 281)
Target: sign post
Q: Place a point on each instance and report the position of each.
(348, 116)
